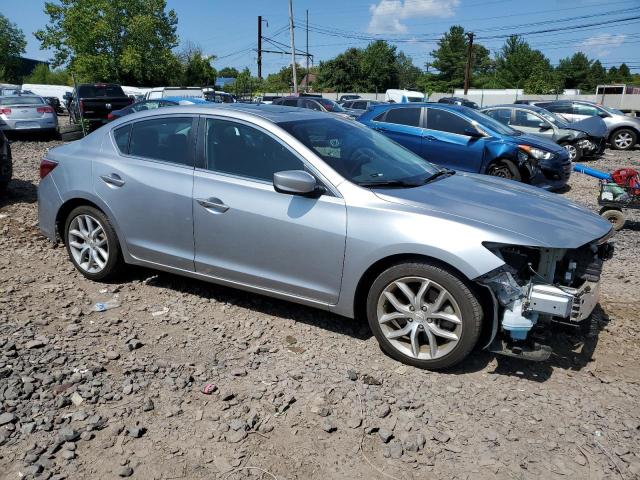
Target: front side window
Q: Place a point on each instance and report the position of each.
(503, 115)
(312, 105)
(358, 153)
(559, 108)
(290, 103)
(238, 149)
(444, 121)
(359, 105)
(580, 109)
(409, 116)
(527, 119)
(148, 105)
(167, 139)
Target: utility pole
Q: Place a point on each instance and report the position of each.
(467, 71)
(293, 48)
(260, 47)
(307, 85)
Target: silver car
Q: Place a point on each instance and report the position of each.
(27, 112)
(623, 131)
(308, 207)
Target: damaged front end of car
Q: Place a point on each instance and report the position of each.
(538, 286)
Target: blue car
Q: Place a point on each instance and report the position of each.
(461, 138)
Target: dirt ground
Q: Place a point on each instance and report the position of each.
(299, 393)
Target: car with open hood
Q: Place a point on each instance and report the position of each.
(584, 138)
(309, 207)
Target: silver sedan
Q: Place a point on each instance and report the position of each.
(308, 207)
(27, 112)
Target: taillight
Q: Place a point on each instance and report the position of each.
(131, 100)
(5, 111)
(110, 116)
(46, 109)
(46, 166)
(82, 105)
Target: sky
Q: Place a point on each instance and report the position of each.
(228, 30)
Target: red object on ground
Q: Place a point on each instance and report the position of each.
(628, 178)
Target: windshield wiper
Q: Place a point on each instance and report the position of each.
(388, 183)
(439, 173)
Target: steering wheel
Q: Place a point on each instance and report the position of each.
(359, 157)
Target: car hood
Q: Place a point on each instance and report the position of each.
(538, 142)
(546, 218)
(593, 126)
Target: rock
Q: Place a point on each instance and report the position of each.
(369, 380)
(136, 431)
(7, 417)
(239, 372)
(395, 449)
(112, 355)
(125, 471)
(324, 411)
(385, 435)
(134, 344)
(236, 436)
(38, 343)
(87, 436)
(383, 411)
(328, 425)
(68, 454)
(352, 375)
(227, 395)
(76, 399)
(68, 434)
(354, 422)
(238, 424)
(441, 437)
(148, 405)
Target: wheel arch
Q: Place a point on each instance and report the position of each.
(625, 127)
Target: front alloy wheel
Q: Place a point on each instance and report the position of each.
(424, 315)
(574, 152)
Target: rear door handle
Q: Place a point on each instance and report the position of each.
(113, 179)
(213, 204)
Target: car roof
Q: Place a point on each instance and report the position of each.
(17, 97)
(521, 106)
(272, 113)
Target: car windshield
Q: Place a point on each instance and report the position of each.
(486, 120)
(360, 154)
(21, 101)
(415, 99)
(613, 111)
(94, 91)
(330, 105)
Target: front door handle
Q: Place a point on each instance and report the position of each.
(113, 179)
(213, 204)
(429, 137)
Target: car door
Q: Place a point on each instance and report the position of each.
(529, 122)
(403, 125)
(144, 174)
(246, 232)
(448, 144)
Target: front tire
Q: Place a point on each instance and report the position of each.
(575, 152)
(92, 244)
(424, 315)
(504, 168)
(623, 139)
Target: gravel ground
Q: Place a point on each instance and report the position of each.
(297, 393)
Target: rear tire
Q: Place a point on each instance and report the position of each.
(616, 217)
(92, 244)
(623, 139)
(424, 315)
(504, 168)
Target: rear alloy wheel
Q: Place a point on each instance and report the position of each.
(616, 217)
(504, 169)
(623, 139)
(575, 153)
(423, 315)
(91, 243)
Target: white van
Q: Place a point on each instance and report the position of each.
(403, 96)
(162, 92)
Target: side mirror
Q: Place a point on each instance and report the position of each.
(296, 182)
(473, 132)
(603, 115)
(544, 126)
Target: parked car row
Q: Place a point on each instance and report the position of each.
(322, 210)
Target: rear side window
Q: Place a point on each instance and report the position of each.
(404, 116)
(446, 122)
(121, 136)
(562, 108)
(290, 103)
(168, 139)
(359, 105)
(502, 115)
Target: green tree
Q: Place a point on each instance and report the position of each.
(342, 73)
(228, 72)
(451, 56)
(12, 45)
(520, 66)
(378, 66)
(245, 85)
(624, 73)
(576, 72)
(598, 73)
(196, 67)
(44, 76)
(408, 73)
(126, 41)
(282, 81)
